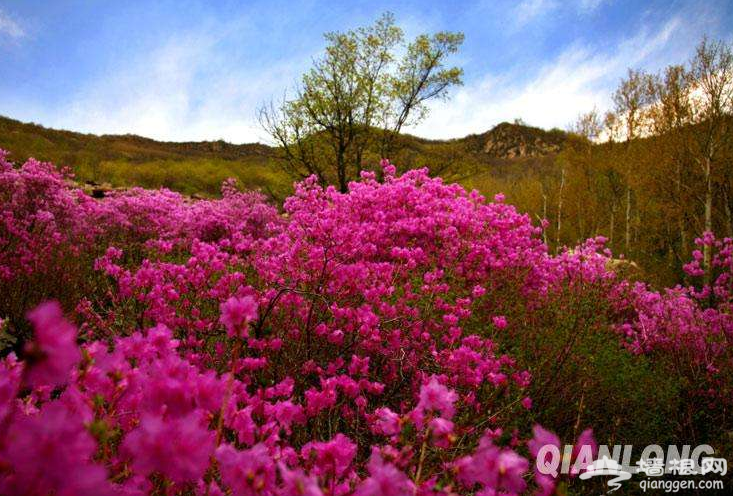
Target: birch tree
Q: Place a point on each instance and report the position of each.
(631, 100)
(712, 75)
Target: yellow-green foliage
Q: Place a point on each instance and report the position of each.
(128, 160)
(190, 176)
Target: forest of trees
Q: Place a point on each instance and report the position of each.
(651, 175)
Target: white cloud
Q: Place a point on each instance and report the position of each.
(9, 28)
(529, 10)
(577, 80)
(590, 5)
(183, 91)
(187, 90)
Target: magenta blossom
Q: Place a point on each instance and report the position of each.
(51, 453)
(176, 447)
(54, 352)
(247, 472)
(331, 457)
(493, 468)
(384, 479)
(436, 397)
(236, 313)
(387, 422)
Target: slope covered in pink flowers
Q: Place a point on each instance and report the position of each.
(407, 337)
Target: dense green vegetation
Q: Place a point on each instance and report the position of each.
(199, 168)
(126, 161)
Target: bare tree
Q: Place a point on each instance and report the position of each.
(712, 103)
(670, 120)
(588, 125)
(631, 100)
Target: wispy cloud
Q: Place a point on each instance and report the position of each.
(529, 10)
(185, 90)
(190, 88)
(206, 82)
(580, 78)
(9, 28)
(591, 5)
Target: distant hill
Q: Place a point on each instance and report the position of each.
(199, 167)
(28, 139)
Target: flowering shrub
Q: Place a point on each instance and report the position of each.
(47, 223)
(689, 331)
(401, 338)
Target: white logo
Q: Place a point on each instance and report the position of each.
(607, 466)
(653, 464)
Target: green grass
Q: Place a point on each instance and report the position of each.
(190, 176)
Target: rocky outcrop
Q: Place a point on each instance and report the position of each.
(515, 141)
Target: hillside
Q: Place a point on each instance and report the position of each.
(199, 167)
(130, 160)
(33, 138)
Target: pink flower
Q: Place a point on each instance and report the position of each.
(236, 313)
(244, 425)
(54, 353)
(441, 431)
(51, 453)
(435, 396)
(177, 447)
(387, 422)
(10, 374)
(366, 294)
(494, 469)
(542, 437)
(384, 479)
(317, 401)
(388, 169)
(499, 321)
(248, 472)
(527, 402)
(331, 457)
(287, 413)
(584, 451)
(297, 483)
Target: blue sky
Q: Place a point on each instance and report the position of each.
(194, 70)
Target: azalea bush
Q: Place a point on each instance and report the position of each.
(51, 232)
(688, 331)
(405, 337)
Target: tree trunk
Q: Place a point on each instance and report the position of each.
(728, 214)
(628, 220)
(707, 249)
(341, 169)
(559, 210)
(544, 214)
(681, 216)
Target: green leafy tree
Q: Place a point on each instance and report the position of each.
(357, 97)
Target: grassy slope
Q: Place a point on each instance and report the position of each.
(134, 161)
(200, 167)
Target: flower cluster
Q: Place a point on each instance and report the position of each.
(355, 344)
(690, 326)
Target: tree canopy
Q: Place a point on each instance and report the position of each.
(368, 84)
